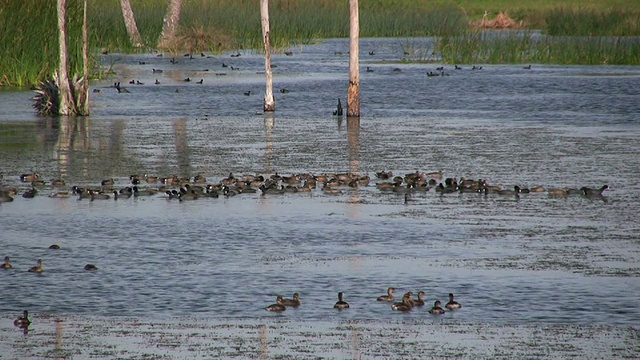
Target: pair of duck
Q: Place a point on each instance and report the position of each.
(282, 303)
(584, 191)
(407, 302)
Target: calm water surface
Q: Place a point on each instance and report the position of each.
(532, 260)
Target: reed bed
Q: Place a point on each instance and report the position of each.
(29, 40)
(591, 22)
(495, 47)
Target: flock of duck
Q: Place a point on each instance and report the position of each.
(196, 187)
(406, 304)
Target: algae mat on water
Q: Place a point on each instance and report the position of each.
(276, 337)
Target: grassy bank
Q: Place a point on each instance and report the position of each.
(28, 33)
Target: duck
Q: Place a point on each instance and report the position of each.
(436, 309)
(59, 194)
(29, 177)
(54, 247)
(90, 267)
(420, 300)
(295, 302)
(4, 197)
(388, 297)
(452, 304)
(30, 193)
(341, 304)
(406, 303)
(331, 191)
(23, 321)
(515, 191)
(38, 268)
(98, 196)
(7, 263)
(277, 307)
(144, 192)
(557, 192)
(593, 192)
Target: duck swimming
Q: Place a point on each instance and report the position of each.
(23, 321)
(341, 304)
(420, 301)
(436, 309)
(593, 192)
(90, 267)
(277, 307)
(295, 302)
(452, 304)
(388, 297)
(7, 263)
(406, 303)
(38, 268)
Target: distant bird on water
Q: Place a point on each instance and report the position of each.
(338, 111)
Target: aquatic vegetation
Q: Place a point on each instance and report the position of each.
(525, 47)
(29, 40)
(592, 22)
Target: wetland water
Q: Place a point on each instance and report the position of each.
(537, 275)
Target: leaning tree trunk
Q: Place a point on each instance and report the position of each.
(171, 21)
(83, 86)
(130, 23)
(62, 77)
(353, 95)
(269, 100)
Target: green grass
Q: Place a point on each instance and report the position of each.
(29, 48)
(526, 47)
(28, 30)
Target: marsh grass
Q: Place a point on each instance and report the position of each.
(591, 22)
(28, 30)
(29, 41)
(235, 24)
(496, 47)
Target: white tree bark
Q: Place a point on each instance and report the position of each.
(83, 87)
(353, 95)
(62, 77)
(171, 22)
(269, 100)
(130, 23)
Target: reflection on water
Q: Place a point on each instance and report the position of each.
(506, 259)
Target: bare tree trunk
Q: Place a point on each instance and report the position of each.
(130, 23)
(353, 95)
(62, 77)
(269, 100)
(171, 21)
(83, 87)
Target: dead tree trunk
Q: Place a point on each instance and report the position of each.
(171, 21)
(83, 86)
(353, 95)
(62, 77)
(269, 100)
(130, 23)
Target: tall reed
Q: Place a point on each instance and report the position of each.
(29, 40)
(495, 47)
(592, 22)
